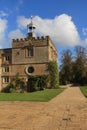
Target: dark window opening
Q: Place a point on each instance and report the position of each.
(7, 58)
(6, 69)
(5, 79)
(30, 69)
(30, 52)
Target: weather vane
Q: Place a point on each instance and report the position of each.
(32, 18)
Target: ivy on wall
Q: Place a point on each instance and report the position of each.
(53, 74)
(50, 81)
(36, 83)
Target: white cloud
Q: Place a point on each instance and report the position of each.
(83, 42)
(61, 29)
(3, 14)
(22, 22)
(15, 34)
(84, 31)
(3, 26)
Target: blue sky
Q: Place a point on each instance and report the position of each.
(64, 20)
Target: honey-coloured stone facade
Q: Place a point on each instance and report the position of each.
(28, 56)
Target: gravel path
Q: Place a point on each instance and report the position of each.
(67, 111)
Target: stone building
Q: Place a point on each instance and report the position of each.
(28, 56)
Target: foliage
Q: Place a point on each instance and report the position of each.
(42, 96)
(45, 81)
(74, 68)
(38, 82)
(16, 86)
(66, 67)
(80, 66)
(53, 74)
(6, 89)
(35, 83)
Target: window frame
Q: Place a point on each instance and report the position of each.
(6, 69)
(6, 79)
(30, 51)
(7, 58)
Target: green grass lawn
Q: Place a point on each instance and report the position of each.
(41, 96)
(84, 90)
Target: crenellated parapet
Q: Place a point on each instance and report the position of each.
(33, 38)
(30, 41)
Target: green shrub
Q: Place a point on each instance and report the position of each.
(6, 89)
(16, 86)
(38, 82)
(12, 90)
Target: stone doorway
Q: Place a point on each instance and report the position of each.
(30, 85)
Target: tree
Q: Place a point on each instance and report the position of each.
(66, 67)
(80, 66)
(74, 69)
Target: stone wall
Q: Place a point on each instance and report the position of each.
(20, 56)
(39, 69)
(44, 51)
(52, 52)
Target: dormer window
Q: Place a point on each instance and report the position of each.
(30, 52)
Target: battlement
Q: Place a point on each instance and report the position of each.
(33, 38)
(34, 41)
